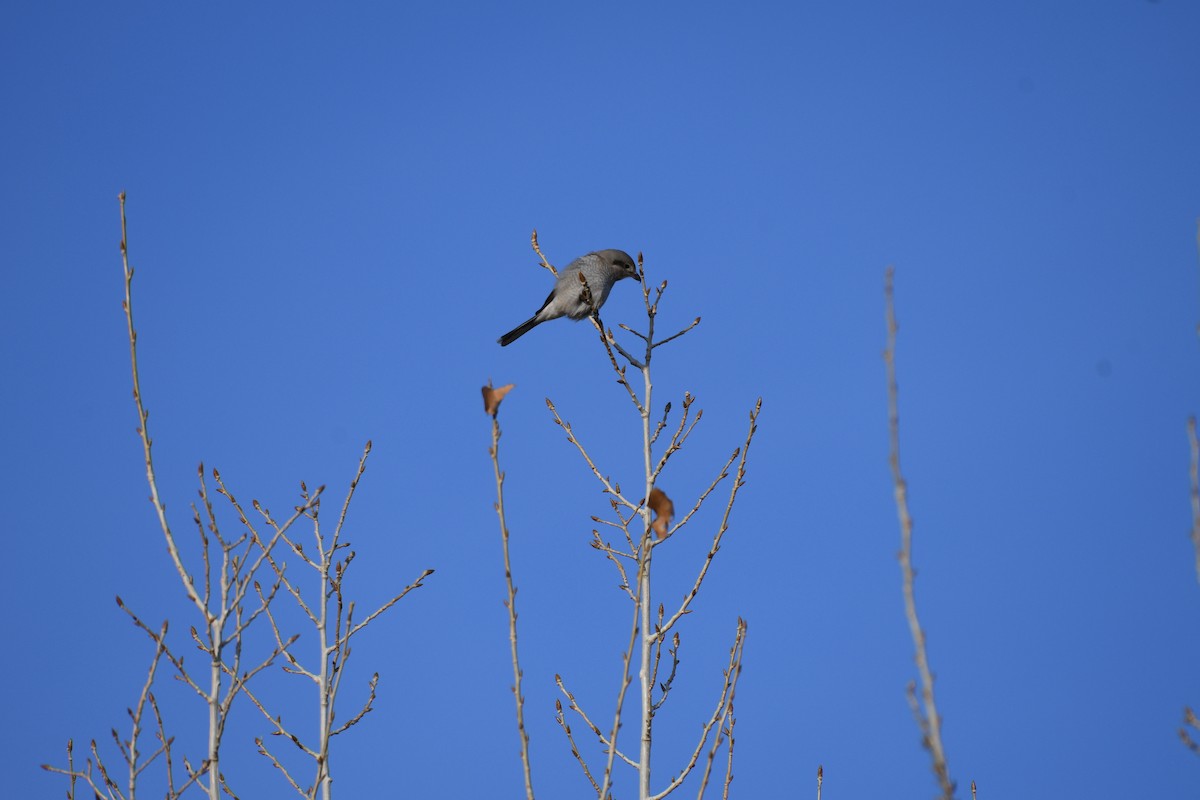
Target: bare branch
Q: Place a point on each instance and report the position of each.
(722, 711)
(673, 652)
(625, 327)
(243, 583)
(1195, 489)
(609, 487)
(135, 715)
(928, 720)
(277, 723)
(176, 661)
(614, 556)
(533, 240)
(368, 706)
(729, 761)
(160, 508)
(722, 475)
(610, 344)
(680, 436)
(605, 741)
(662, 423)
(562, 722)
(262, 749)
(510, 604)
(331, 616)
(362, 466)
(738, 482)
(673, 337)
(417, 584)
(626, 678)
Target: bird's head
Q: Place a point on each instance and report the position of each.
(625, 265)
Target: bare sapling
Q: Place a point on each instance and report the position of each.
(219, 591)
(222, 585)
(641, 524)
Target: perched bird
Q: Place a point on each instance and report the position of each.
(602, 269)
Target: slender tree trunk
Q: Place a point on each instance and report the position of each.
(648, 634)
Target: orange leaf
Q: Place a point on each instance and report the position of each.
(663, 510)
(493, 396)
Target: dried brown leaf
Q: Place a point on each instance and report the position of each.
(663, 510)
(492, 397)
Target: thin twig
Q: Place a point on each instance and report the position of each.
(160, 508)
(533, 240)
(738, 482)
(135, 715)
(729, 759)
(511, 604)
(722, 475)
(605, 741)
(263, 751)
(280, 728)
(929, 720)
(626, 679)
(680, 436)
(367, 707)
(658, 429)
(723, 711)
(614, 556)
(610, 344)
(417, 584)
(673, 652)
(673, 337)
(1195, 486)
(609, 487)
(561, 719)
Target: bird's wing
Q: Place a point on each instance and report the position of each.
(549, 297)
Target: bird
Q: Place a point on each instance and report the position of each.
(602, 269)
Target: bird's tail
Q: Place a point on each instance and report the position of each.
(519, 331)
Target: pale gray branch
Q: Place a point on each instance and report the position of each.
(926, 713)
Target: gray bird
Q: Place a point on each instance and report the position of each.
(602, 269)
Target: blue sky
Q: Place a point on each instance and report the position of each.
(329, 213)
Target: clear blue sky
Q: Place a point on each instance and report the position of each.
(329, 213)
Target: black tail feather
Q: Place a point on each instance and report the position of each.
(519, 331)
